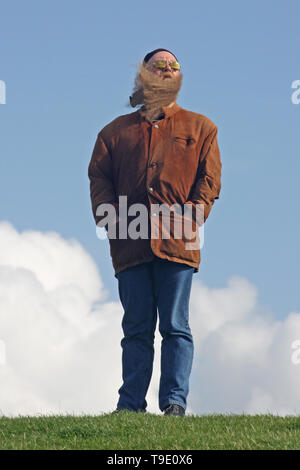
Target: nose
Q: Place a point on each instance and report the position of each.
(167, 67)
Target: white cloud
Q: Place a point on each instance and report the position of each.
(62, 338)
(242, 355)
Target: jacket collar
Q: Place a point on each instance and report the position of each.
(168, 112)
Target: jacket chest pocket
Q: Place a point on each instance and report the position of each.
(184, 141)
(183, 155)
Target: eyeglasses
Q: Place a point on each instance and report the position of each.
(162, 64)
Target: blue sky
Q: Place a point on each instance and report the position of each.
(69, 68)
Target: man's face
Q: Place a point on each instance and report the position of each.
(156, 88)
(167, 72)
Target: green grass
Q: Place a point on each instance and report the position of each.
(129, 430)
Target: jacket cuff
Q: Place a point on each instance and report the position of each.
(201, 218)
(114, 220)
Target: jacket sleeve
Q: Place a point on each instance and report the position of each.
(207, 185)
(100, 173)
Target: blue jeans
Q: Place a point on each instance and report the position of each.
(165, 286)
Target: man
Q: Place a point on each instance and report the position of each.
(160, 155)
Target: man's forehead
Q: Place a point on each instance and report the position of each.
(162, 55)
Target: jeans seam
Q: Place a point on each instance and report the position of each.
(144, 385)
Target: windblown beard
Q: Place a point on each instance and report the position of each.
(153, 91)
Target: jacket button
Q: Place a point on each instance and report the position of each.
(150, 188)
(156, 126)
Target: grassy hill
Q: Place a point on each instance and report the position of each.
(129, 430)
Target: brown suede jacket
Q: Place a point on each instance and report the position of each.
(175, 160)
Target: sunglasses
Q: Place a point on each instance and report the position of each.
(162, 64)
